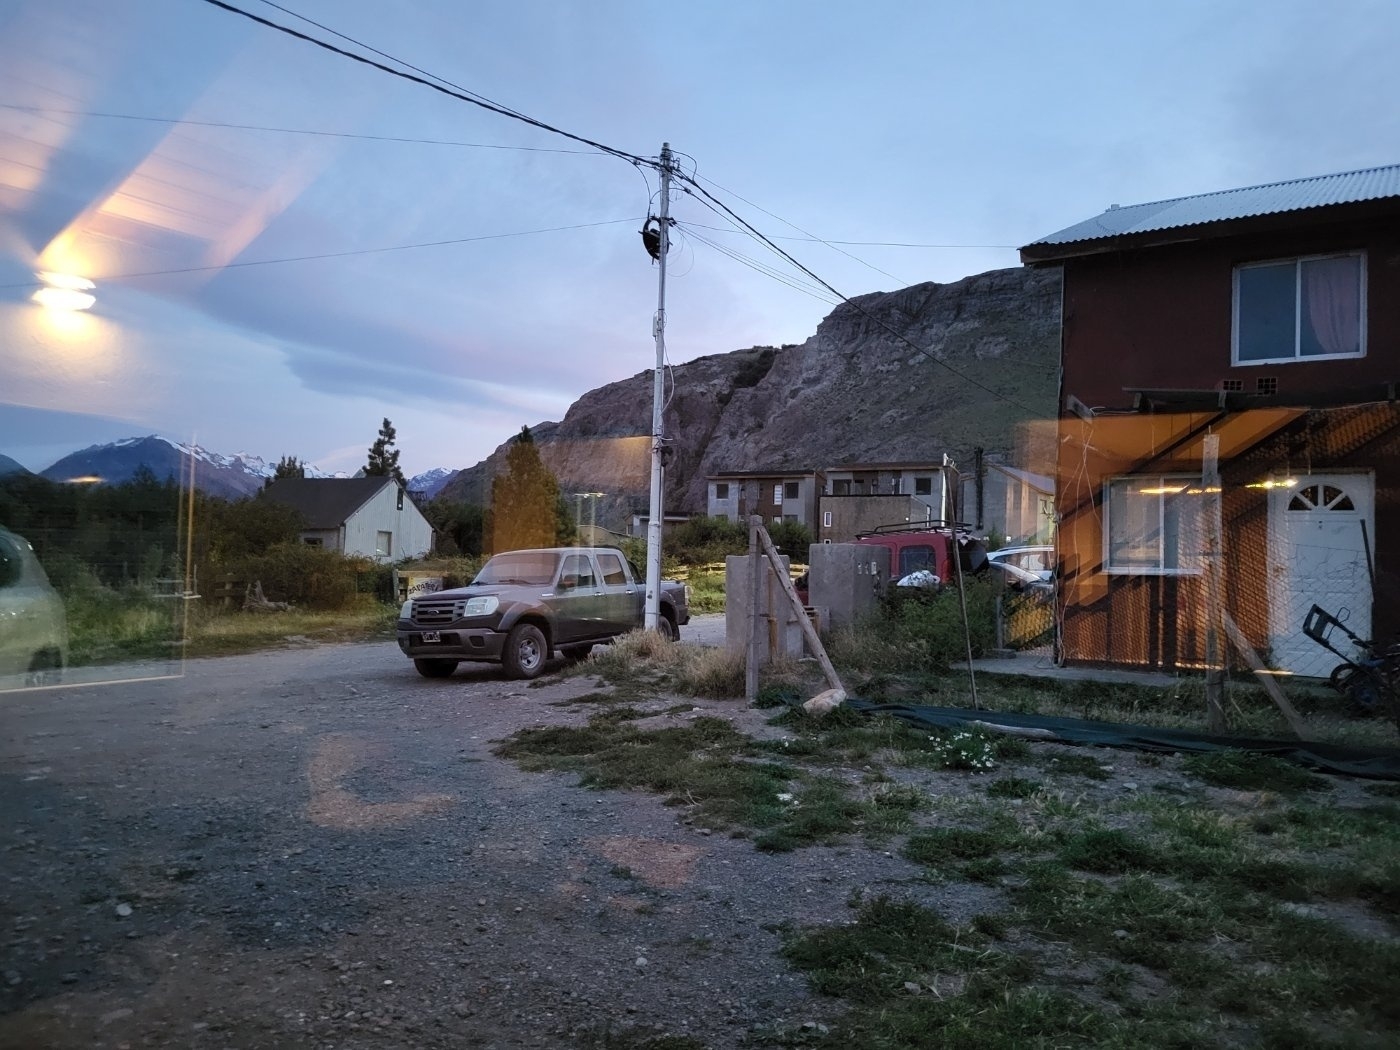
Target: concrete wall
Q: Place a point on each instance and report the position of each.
(842, 582)
(852, 515)
(781, 626)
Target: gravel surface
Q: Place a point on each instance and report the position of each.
(316, 847)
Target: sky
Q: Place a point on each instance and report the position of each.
(938, 136)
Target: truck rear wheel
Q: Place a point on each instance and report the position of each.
(666, 624)
(526, 651)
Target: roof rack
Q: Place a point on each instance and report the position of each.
(932, 525)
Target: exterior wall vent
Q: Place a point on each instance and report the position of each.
(1268, 384)
(1232, 386)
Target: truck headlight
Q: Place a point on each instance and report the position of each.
(482, 605)
(406, 610)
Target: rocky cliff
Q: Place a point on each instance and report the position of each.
(889, 376)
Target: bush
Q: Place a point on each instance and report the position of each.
(702, 540)
(306, 576)
(918, 630)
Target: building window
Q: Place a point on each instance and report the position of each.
(400, 507)
(791, 489)
(384, 544)
(897, 484)
(923, 486)
(841, 488)
(721, 490)
(826, 519)
(778, 494)
(1300, 309)
(1152, 526)
(313, 541)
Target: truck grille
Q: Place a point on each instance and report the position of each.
(433, 612)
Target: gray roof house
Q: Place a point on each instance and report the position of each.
(363, 517)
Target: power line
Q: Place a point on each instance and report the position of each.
(427, 79)
(334, 255)
(858, 244)
(763, 239)
(767, 271)
(289, 131)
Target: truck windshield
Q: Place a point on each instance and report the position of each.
(533, 568)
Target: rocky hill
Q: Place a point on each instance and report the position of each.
(890, 376)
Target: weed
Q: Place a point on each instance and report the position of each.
(1013, 787)
(1247, 771)
(938, 845)
(1077, 766)
(1107, 851)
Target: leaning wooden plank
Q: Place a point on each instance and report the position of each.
(1262, 673)
(808, 631)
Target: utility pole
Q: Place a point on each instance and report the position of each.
(658, 392)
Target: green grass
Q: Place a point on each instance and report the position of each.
(1246, 771)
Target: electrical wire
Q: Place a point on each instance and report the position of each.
(869, 244)
(292, 131)
(768, 271)
(733, 216)
(427, 79)
(799, 229)
(333, 255)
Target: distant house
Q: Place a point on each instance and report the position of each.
(773, 495)
(1256, 329)
(1019, 504)
(368, 517)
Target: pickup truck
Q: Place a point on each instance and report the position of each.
(524, 605)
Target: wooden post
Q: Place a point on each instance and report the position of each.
(1212, 524)
(755, 624)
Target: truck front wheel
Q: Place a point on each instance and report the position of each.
(526, 651)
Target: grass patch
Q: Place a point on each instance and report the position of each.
(1247, 771)
(643, 664)
(1077, 766)
(1014, 787)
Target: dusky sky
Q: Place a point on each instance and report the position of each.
(928, 138)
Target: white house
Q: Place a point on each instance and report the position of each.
(366, 517)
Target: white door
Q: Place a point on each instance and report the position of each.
(1317, 555)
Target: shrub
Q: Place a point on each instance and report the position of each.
(311, 577)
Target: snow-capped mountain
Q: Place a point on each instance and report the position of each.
(241, 474)
(430, 482)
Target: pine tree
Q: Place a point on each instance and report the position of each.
(289, 467)
(384, 457)
(524, 501)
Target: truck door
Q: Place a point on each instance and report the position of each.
(579, 605)
(622, 596)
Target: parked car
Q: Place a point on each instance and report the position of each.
(33, 627)
(1030, 568)
(525, 605)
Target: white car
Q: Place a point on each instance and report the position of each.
(1025, 568)
(33, 627)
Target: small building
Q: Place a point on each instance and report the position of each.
(368, 517)
(772, 495)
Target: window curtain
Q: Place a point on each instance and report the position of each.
(1332, 300)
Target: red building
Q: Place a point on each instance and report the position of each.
(1260, 326)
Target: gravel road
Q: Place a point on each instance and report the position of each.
(316, 848)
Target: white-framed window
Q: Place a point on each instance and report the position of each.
(721, 490)
(384, 544)
(778, 494)
(1304, 309)
(826, 519)
(1152, 525)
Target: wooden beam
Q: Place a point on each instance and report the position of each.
(1262, 673)
(808, 631)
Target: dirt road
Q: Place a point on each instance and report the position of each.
(317, 848)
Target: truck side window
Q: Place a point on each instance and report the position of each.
(578, 571)
(611, 567)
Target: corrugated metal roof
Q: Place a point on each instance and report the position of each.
(1347, 187)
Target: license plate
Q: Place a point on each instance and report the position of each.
(431, 636)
